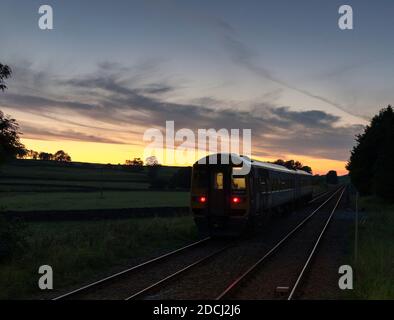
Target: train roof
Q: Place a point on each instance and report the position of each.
(267, 165)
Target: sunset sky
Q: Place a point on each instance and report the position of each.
(112, 69)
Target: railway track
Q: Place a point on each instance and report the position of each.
(118, 276)
(307, 264)
(108, 287)
(160, 283)
(319, 196)
(231, 289)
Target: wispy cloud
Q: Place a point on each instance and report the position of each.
(119, 112)
(244, 56)
(34, 132)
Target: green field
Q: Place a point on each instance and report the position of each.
(83, 252)
(74, 171)
(90, 200)
(375, 264)
(12, 184)
(28, 185)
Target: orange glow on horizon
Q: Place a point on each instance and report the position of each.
(319, 165)
(93, 152)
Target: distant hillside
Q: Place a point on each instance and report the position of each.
(53, 176)
(30, 185)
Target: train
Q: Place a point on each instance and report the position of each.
(225, 203)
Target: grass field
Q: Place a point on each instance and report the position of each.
(61, 185)
(375, 265)
(52, 170)
(91, 200)
(81, 252)
(27, 185)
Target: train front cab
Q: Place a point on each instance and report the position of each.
(219, 200)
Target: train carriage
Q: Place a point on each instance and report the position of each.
(225, 203)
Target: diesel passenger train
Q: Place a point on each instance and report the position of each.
(224, 203)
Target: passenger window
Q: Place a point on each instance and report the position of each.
(218, 183)
(238, 183)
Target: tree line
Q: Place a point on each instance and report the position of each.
(11, 147)
(60, 155)
(293, 165)
(371, 161)
(138, 162)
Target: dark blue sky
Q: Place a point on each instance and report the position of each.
(244, 55)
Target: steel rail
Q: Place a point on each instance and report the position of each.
(178, 273)
(313, 251)
(132, 269)
(320, 195)
(249, 271)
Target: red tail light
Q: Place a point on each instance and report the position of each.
(235, 200)
(202, 199)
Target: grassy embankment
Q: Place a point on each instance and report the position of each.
(375, 264)
(82, 252)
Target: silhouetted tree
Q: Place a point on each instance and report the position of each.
(5, 73)
(298, 165)
(45, 156)
(307, 169)
(61, 156)
(280, 162)
(152, 161)
(371, 162)
(383, 179)
(32, 154)
(135, 165)
(293, 165)
(12, 233)
(332, 177)
(136, 162)
(10, 145)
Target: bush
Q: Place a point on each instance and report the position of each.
(13, 237)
